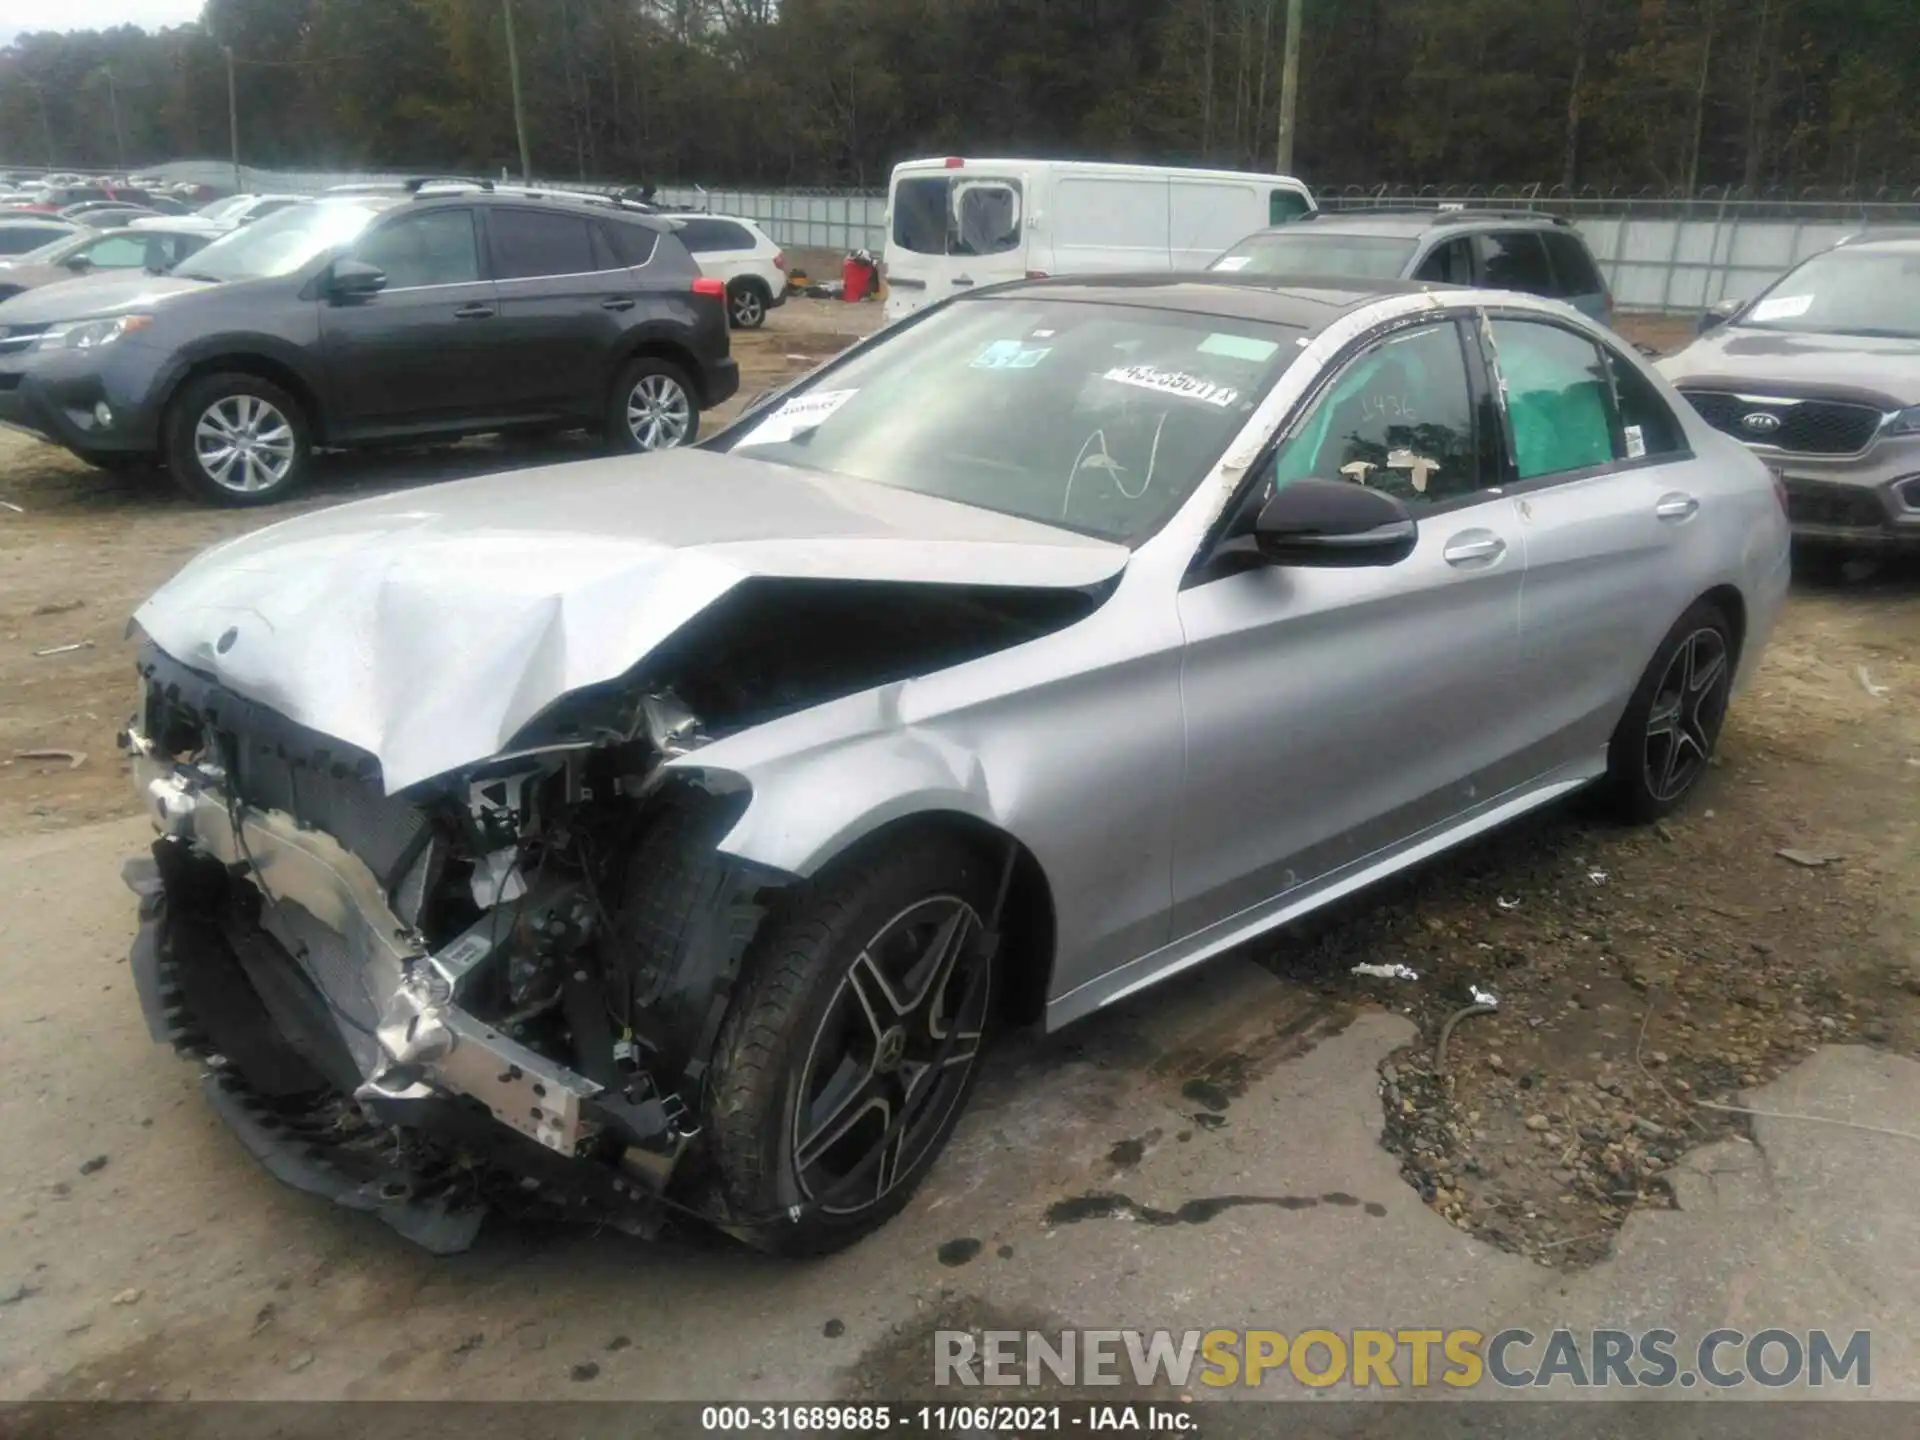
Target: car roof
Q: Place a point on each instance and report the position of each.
(1411, 224)
(1308, 304)
(1887, 244)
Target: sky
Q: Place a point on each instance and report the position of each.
(18, 16)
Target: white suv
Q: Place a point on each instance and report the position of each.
(739, 252)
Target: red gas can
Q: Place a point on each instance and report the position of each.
(856, 277)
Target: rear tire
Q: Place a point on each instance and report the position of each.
(653, 408)
(867, 1002)
(1666, 737)
(747, 304)
(236, 439)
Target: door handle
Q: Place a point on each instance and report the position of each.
(620, 303)
(963, 279)
(1472, 547)
(1676, 506)
(474, 312)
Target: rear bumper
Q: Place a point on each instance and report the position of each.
(720, 381)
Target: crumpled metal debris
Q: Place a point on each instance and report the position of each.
(1598, 877)
(1506, 904)
(1809, 859)
(64, 649)
(1867, 684)
(1386, 972)
(1483, 997)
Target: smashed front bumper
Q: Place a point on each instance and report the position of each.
(335, 1040)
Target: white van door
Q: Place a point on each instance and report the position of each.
(1208, 216)
(1098, 224)
(950, 231)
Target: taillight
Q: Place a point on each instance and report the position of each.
(707, 285)
(780, 261)
(1036, 274)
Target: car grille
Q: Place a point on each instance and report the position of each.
(1811, 503)
(15, 338)
(381, 830)
(1807, 427)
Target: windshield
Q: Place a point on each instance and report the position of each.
(1297, 252)
(282, 243)
(1097, 418)
(1845, 292)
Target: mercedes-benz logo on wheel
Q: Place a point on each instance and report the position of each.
(1761, 422)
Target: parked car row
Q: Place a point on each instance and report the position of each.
(433, 313)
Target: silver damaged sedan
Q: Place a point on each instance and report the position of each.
(663, 835)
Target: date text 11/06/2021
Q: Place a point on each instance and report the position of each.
(931, 1420)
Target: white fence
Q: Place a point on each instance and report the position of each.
(1657, 256)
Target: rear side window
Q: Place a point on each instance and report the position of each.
(1572, 265)
(1449, 263)
(1559, 392)
(632, 244)
(1647, 425)
(1514, 260)
(17, 240)
(1286, 205)
(530, 243)
(704, 236)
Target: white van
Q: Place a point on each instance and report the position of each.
(958, 223)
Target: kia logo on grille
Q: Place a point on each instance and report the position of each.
(1761, 422)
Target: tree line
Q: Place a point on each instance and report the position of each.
(1668, 95)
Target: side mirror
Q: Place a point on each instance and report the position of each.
(79, 264)
(1334, 523)
(1718, 315)
(356, 280)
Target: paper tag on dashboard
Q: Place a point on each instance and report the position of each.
(1636, 442)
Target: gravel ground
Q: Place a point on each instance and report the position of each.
(1638, 974)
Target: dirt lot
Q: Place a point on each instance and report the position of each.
(1637, 973)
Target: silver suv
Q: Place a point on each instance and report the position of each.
(1493, 249)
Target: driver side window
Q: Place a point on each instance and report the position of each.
(1400, 418)
(433, 248)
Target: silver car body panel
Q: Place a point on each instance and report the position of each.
(1190, 765)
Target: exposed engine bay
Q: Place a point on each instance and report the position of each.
(500, 986)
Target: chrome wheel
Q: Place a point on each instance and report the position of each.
(748, 309)
(1689, 705)
(244, 444)
(891, 1055)
(659, 414)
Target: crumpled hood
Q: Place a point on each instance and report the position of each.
(427, 627)
(1874, 369)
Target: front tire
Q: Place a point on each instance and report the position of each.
(850, 1048)
(653, 408)
(238, 440)
(1663, 743)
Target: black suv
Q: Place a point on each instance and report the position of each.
(438, 312)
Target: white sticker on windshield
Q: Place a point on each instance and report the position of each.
(807, 412)
(1233, 262)
(1782, 307)
(1636, 442)
(1174, 382)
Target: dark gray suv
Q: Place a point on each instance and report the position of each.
(434, 313)
(1492, 249)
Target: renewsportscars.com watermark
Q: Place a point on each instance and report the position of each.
(1395, 1359)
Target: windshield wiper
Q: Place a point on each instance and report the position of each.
(198, 275)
